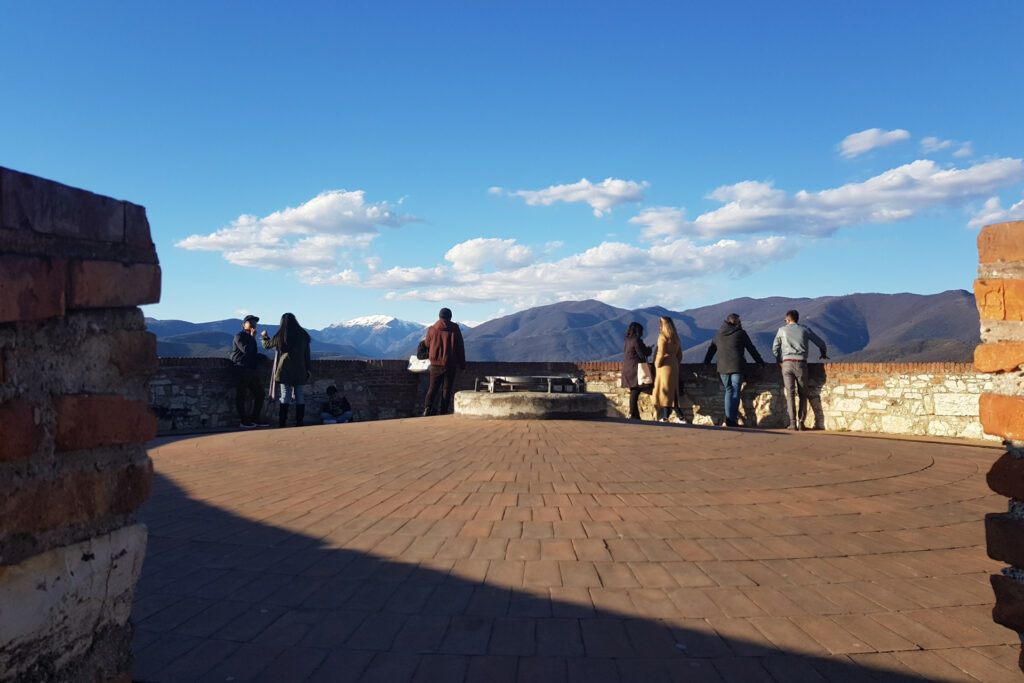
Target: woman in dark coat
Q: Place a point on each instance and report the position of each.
(634, 352)
(291, 366)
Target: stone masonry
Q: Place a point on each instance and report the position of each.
(999, 291)
(75, 362)
(925, 399)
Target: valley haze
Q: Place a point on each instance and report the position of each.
(857, 327)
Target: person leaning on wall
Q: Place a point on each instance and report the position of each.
(729, 343)
(790, 349)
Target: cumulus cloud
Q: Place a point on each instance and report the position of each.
(933, 144)
(308, 235)
(898, 194)
(602, 197)
(993, 212)
(476, 253)
(855, 144)
(615, 272)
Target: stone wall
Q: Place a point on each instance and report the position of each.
(938, 399)
(999, 291)
(75, 362)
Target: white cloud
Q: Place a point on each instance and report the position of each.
(993, 212)
(966, 150)
(856, 144)
(933, 144)
(476, 253)
(898, 194)
(602, 197)
(611, 271)
(305, 236)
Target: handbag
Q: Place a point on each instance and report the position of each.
(422, 350)
(418, 364)
(644, 374)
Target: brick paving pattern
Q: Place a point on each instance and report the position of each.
(447, 549)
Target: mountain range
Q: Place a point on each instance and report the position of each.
(857, 327)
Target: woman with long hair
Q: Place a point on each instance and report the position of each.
(666, 371)
(634, 352)
(291, 366)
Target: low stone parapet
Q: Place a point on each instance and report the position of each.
(530, 405)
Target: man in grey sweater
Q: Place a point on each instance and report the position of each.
(790, 349)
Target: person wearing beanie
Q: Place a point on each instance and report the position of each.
(447, 355)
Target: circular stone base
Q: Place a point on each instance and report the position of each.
(530, 405)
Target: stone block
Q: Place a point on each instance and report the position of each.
(21, 433)
(897, 424)
(1009, 608)
(133, 353)
(136, 226)
(848, 405)
(111, 284)
(1000, 299)
(1002, 415)
(1001, 242)
(87, 421)
(956, 404)
(58, 603)
(29, 202)
(1002, 356)
(1006, 476)
(31, 288)
(1004, 537)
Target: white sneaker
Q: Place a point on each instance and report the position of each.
(662, 419)
(677, 420)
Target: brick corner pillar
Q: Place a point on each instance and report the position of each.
(75, 361)
(999, 291)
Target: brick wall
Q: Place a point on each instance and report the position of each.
(75, 363)
(999, 291)
(938, 399)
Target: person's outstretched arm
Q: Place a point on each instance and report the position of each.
(749, 346)
(711, 352)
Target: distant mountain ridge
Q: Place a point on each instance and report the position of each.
(857, 327)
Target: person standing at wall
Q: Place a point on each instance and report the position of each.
(447, 354)
(730, 342)
(666, 371)
(634, 352)
(790, 350)
(292, 366)
(246, 358)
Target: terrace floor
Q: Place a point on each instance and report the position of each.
(449, 549)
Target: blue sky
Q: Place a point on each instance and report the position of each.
(354, 158)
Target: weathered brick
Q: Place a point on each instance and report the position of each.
(1003, 356)
(89, 421)
(136, 226)
(31, 288)
(28, 202)
(1002, 415)
(1001, 242)
(1009, 609)
(134, 353)
(111, 284)
(21, 434)
(1004, 537)
(35, 506)
(1006, 476)
(1000, 299)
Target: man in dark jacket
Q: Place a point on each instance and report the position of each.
(730, 342)
(447, 358)
(246, 357)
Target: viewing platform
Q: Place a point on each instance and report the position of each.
(454, 549)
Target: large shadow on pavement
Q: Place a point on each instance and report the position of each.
(225, 598)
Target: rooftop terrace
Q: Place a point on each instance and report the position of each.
(448, 549)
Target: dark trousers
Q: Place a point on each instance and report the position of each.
(634, 406)
(247, 382)
(440, 378)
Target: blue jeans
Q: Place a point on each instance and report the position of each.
(288, 390)
(732, 382)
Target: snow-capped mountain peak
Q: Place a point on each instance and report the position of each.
(375, 321)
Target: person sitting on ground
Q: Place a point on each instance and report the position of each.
(336, 409)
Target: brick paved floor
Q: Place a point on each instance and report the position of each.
(446, 549)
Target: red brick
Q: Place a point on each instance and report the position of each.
(31, 288)
(1003, 356)
(1004, 537)
(1001, 242)
(112, 284)
(1009, 609)
(90, 421)
(29, 202)
(1002, 415)
(21, 434)
(38, 505)
(134, 353)
(1006, 476)
(1000, 299)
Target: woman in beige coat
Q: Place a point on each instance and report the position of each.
(666, 372)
